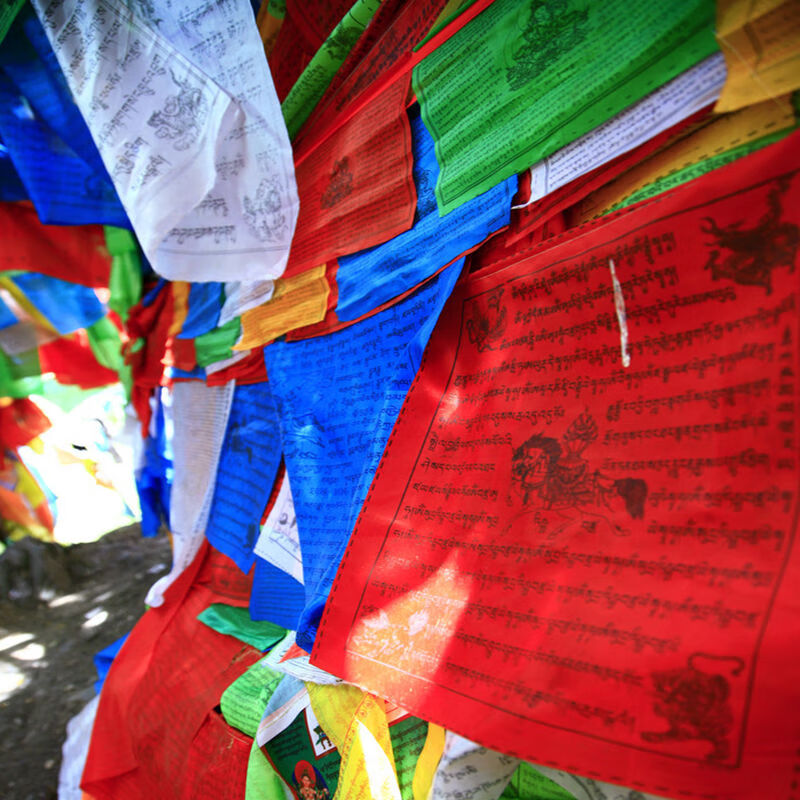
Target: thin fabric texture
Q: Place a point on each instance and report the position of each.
(462, 341)
(201, 212)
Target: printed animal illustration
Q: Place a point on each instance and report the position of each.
(559, 476)
(182, 117)
(748, 256)
(550, 30)
(695, 705)
(322, 737)
(489, 326)
(263, 214)
(340, 184)
(426, 197)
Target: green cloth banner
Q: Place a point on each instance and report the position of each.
(243, 702)
(317, 76)
(527, 783)
(236, 622)
(217, 345)
(125, 277)
(8, 13)
(522, 80)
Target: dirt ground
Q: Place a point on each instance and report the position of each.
(48, 647)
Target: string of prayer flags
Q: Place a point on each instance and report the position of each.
(330, 393)
(519, 82)
(371, 278)
(664, 107)
(207, 180)
(610, 412)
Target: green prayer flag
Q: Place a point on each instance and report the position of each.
(527, 783)
(8, 13)
(236, 622)
(319, 73)
(217, 345)
(20, 374)
(125, 278)
(262, 780)
(277, 8)
(107, 349)
(243, 702)
(522, 80)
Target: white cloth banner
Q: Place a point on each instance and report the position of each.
(200, 417)
(279, 540)
(468, 770)
(180, 102)
(75, 750)
(661, 109)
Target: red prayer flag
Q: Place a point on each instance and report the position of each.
(72, 253)
(357, 188)
(72, 361)
(157, 698)
(579, 547)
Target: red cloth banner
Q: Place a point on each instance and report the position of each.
(357, 188)
(75, 254)
(579, 547)
(153, 719)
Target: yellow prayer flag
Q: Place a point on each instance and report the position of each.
(719, 135)
(356, 723)
(296, 302)
(761, 44)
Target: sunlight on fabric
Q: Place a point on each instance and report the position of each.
(409, 635)
(380, 771)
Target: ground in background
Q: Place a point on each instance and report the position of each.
(96, 594)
